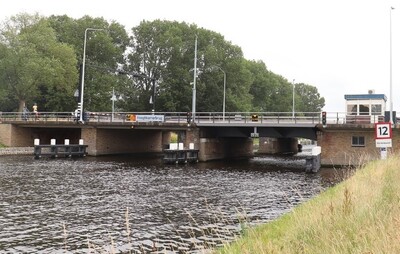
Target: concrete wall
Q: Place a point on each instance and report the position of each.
(5, 134)
(221, 148)
(122, 141)
(277, 145)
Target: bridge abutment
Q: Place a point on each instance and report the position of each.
(15, 136)
(349, 145)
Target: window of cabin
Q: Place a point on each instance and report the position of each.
(364, 109)
(358, 141)
(376, 109)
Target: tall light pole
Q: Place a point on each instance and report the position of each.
(113, 99)
(194, 81)
(390, 94)
(293, 100)
(83, 71)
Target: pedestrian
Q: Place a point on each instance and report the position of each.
(25, 113)
(35, 109)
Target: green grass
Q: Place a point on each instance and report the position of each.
(359, 215)
(2, 146)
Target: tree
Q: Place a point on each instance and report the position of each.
(104, 56)
(273, 93)
(164, 51)
(34, 65)
(308, 99)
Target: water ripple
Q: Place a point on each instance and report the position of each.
(121, 203)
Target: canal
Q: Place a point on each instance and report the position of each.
(120, 204)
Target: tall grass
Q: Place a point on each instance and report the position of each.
(359, 215)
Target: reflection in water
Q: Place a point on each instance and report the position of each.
(52, 205)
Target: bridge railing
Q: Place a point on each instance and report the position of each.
(40, 116)
(200, 117)
(261, 117)
(346, 118)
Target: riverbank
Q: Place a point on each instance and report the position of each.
(16, 151)
(359, 215)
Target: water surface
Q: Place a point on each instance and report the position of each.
(123, 203)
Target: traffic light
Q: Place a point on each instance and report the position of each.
(323, 117)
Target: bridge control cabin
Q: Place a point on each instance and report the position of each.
(365, 108)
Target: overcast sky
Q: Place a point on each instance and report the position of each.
(339, 46)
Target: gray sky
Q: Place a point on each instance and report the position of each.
(339, 46)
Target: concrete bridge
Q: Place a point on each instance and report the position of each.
(344, 139)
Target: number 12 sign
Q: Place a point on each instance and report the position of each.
(383, 130)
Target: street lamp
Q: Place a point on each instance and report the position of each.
(223, 102)
(293, 99)
(113, 99)
(391, 98)
(83, 71)
(194, 81)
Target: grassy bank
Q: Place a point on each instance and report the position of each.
(360, 215)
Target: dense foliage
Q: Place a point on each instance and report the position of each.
(40, 59)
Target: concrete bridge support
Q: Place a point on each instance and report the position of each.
(277, 145)
(123, 141)
(15, 136)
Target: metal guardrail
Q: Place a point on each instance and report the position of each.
(200, 117)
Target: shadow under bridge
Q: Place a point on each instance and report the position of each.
(276, 131)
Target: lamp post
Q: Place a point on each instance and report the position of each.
(83, 71)
(390, 94)
(153, 97)
(113, 99)
(194, 81)
(293, 99)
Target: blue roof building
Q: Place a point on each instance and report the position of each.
(371, 104)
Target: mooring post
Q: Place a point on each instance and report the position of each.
(68, 149)
(53, 147)
(37, 150)
(313, 162)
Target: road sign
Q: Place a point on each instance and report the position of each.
(383, 130)
(383, 143)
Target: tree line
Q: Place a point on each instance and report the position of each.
(40, 60)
